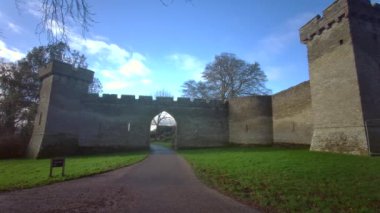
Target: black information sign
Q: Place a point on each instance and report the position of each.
(57, 162)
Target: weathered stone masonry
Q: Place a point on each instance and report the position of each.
(337, 111)
(70, 121)
(344, 67)
(285, 117)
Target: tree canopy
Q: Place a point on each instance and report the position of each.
(227, 77)
(18, 97)
(19, 86)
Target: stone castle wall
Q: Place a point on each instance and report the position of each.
(284, 118)
(250, 120)
(365, 30)
(70, 121)
(126, 121)
(292, 115)
(338, 110)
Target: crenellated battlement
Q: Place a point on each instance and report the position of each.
(131, 99)
(59, 68)
(335, 13)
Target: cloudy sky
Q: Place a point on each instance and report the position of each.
(141, 46)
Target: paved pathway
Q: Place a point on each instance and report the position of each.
(163, 182)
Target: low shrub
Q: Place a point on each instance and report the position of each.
(12, 146)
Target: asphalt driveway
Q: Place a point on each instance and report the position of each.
(164, 182)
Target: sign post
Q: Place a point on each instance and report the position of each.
(57, 162)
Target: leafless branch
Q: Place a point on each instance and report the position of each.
(56, 15)
(165, 3)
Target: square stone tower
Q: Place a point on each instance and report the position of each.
(59, 115)
(344, 66)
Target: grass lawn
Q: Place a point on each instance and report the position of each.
(291, 180)
(26, 173)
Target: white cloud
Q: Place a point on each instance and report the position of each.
(118, 67)
(116, 85)
(135, 67)
(108, 74)
(146, 81)
(188, 63)
(55, 28)
(11, 54)
(109, 51)
(15, 28)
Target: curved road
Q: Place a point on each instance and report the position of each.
(163, 182)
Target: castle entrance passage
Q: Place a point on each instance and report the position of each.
(163, 130)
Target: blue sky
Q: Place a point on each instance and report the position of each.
(140, 46)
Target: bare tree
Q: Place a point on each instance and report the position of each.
(227, 77)
(96, 86)
(160, 121)
(57, 14)
(198, 89)
(163, 116)
(163, 93)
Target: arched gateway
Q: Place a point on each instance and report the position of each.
(70, 121)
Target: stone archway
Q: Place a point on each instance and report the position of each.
(163, 130)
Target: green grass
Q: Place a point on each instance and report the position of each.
(291, 180)
(26, 173)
